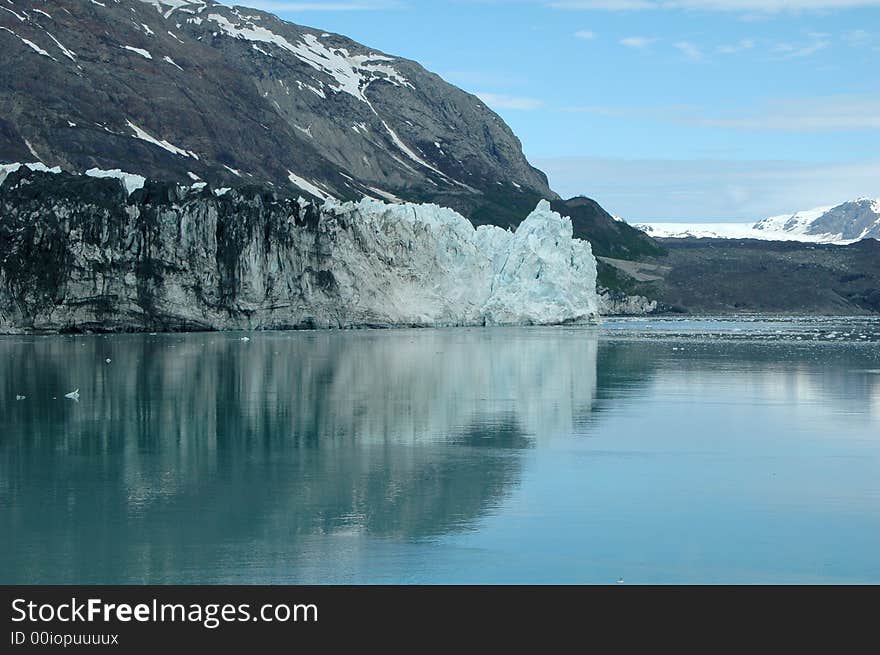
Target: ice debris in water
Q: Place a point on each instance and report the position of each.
(73, 395)
(17, 397)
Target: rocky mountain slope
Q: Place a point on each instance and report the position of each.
(102, 254)
(181, 90)
(723, 276)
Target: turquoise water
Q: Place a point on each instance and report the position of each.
(657, 451)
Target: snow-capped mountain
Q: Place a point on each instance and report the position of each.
(844, 223)
(840, 224)
(186, 90)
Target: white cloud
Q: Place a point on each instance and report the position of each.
(637, 42)
(856, 36)
(796, 114)
(824, 114)
(757, 6)
(689, 50)
(797, 50)
(499, 101)
(743, 45)
(607, 5)
(705, 190)
(586, 35)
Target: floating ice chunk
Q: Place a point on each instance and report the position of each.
(245, 339)
(73, 395)
(17, 397)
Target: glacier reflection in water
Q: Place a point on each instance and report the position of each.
(204, 457)
(480, 455)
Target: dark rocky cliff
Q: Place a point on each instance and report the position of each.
(77, 254)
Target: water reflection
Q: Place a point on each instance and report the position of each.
(508, 455)
(187, 453)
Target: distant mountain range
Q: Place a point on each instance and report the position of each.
(840, 224)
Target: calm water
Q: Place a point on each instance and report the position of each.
(660, 451)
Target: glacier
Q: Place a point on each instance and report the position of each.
(427, 265)
(84, 253)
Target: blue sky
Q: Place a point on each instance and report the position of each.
(692, 110)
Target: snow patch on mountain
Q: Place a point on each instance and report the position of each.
(33, 46)
(143, 135)
(139, 51)
(308, 187)
(352, 73)
(169, 60)
(6, 169)
(385, 195)
(167, 7)
(130, 181)
(67, 53)
(17, 15)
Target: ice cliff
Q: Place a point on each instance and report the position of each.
(91, 253)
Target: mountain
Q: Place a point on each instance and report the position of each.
(610, 237)
(183, 90)
(848, 222)
(735, 276)
(701, 230)
(840, 224)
